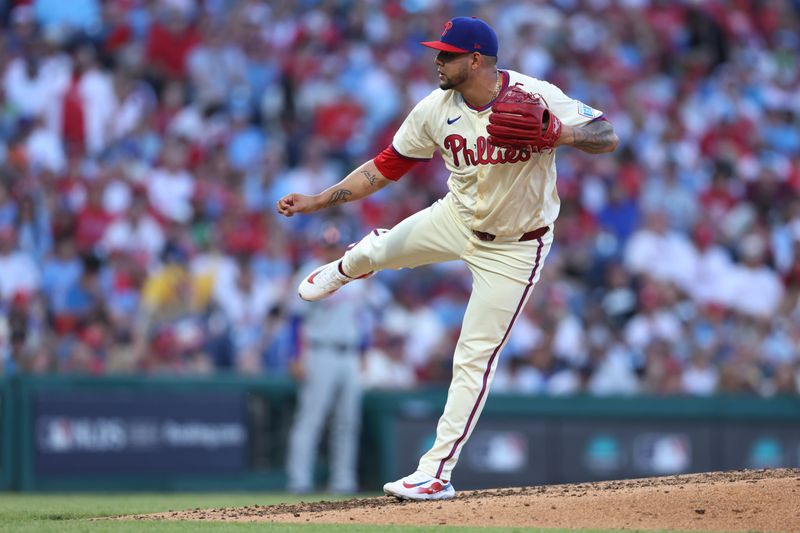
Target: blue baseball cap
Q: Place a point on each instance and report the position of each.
(464, 35)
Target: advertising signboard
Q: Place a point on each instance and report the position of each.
(79, 433)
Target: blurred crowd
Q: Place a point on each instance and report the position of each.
(144, 143)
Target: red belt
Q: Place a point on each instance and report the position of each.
(529, 236)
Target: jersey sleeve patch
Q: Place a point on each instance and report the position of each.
(584, 110)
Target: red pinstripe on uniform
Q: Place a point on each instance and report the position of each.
(491, 360)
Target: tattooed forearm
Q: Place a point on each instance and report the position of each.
(338, 197)
(595, 138)
(371, 178)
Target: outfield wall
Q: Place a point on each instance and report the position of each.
(229, 433)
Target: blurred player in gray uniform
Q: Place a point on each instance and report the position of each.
(333, 337)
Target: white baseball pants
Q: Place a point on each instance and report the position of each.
(503, 272)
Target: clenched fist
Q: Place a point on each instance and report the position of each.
(297, 203)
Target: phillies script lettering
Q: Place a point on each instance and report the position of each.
(484, 153)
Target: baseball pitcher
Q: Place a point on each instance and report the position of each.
(497, 131)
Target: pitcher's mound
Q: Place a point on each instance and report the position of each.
(748, 500)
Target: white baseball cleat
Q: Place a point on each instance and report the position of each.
(420, 486)
(324, 281)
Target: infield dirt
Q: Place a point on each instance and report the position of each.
(747, 500)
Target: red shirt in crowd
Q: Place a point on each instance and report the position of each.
(167, 51)
(337, 122)
(73, 118)
(90, 224)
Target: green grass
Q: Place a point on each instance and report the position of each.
(72, 513)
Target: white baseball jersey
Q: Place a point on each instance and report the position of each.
(501, 191)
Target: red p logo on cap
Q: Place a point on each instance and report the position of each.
(447, 26)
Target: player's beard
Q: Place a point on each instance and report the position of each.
(454, 80)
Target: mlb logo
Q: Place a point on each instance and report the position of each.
(585, 110)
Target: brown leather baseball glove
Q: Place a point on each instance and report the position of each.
(522, 120)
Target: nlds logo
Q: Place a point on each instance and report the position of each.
(64, 434)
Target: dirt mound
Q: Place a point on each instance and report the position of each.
(747, 500)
